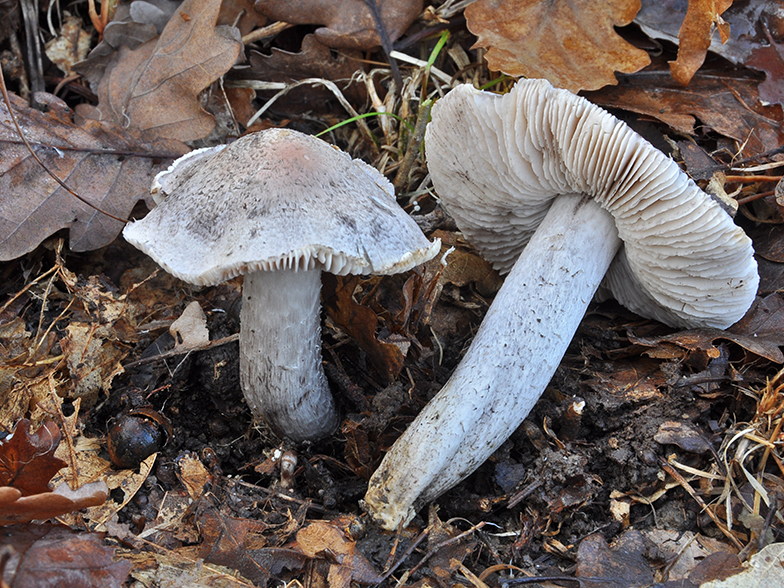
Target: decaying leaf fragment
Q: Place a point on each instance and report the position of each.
(171, 70)
(190, 330)
(93, 360)
(571, 44)
(54, 555)
(695, 36)
(70, 46)
(765, 568)
(323, 540)
(360, 322)
(770, 59)
(348, 24)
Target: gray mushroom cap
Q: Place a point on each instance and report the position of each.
(276, 199)
(503, 159)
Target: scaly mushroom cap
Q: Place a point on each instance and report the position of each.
(277, 199)
(497, 163)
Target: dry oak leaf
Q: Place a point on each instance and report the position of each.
(155, 87)
(93, 360)
(314, 60)
(728, 104)
(323, 540)
(105, 164)
(54, 555)
(695, 36)
(347, 24)
(570, 43)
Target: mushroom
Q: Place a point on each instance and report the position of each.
(280, 207)
(546, 184)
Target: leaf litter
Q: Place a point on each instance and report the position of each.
(670, 472)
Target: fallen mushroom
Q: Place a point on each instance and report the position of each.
(280, 207)
(602, 197)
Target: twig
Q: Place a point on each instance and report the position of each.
(405, 555)
(447, 543)
(175, 352)
(266, 32)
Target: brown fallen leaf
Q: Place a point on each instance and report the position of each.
(750, 42)
(54, 555)
(314, 60)
(242, 14)
(70, 45)
(449, 554)
(347, 24)
(728, 105)
(360, 322)
(93, 360)
(624, 565)
(695, 36)
(27, 461)
(27, 464)
(662, 19)
(761, 331)
(629, 383)
(683, 434)
(107, 165)
(465, 267)
(127, 29)
(321, 540)
(770, 59)
(241, 544)
(193, 475)
(224, 537)
(769, 241)
(571, 44)
(717, 566)
(171, 70)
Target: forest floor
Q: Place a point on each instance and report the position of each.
(653, 456)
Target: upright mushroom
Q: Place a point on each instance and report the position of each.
(545, 183)
(280, 207)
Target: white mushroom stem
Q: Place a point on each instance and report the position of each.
(280, 353)
(515, 352)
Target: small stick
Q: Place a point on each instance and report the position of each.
(175, 352)
(749, 179)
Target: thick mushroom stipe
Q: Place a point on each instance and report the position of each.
(280, 351)
(513, 356)
(501, 164)
(280, 207)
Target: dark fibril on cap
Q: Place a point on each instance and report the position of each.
(563, 194)
(280, 207)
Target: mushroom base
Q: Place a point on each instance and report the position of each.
(515, 352)
(280, 354)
